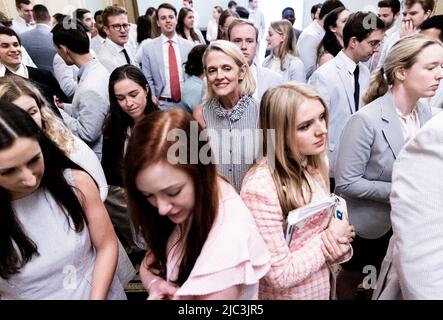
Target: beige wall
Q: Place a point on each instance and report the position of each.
(439, 9)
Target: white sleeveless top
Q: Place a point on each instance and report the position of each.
(64, 267)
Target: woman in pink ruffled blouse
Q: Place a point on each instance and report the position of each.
(202, 241)
(294, 173)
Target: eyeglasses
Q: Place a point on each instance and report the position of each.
(374, 43)
(118, 27)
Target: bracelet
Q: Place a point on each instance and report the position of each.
(151, 283)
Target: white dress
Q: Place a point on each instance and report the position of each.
(63, 269)
(83, 155)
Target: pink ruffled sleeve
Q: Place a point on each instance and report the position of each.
(234, 253)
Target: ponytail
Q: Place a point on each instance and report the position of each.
(377, 88)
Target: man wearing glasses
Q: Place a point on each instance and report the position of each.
(342, 81)
(115, 51)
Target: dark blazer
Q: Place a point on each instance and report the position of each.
(47, 84)
(112, 161)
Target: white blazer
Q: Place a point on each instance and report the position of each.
(333, 83)
(413, 267)
(111, 58)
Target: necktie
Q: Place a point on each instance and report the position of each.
(126, 56)
(356, 87)
(173, 74)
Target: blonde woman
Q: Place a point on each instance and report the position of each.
(371, 142)
(26, 96)
(229, 111)
(284, 57)
(294, 173)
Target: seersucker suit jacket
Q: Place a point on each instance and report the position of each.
(369, 145)
(412, 268)
(152, 62)
(334, 84)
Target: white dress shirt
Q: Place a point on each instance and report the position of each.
(165, 44)
(409, 123)
(19, 25)
(350, 66)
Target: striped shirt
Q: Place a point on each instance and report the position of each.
(233, 136)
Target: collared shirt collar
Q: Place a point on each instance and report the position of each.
(235, 113)
(349, 63)
(23, 21)
(2, 70)
(114, 45)
(85, 68)
(43, 25)
(165, 39)
(22, 71)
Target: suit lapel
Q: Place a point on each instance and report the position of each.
(344, 78)
(392, 130)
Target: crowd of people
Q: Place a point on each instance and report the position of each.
(174, 156)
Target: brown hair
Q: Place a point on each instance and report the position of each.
(149, 145)
(427, 5)
(112, 11)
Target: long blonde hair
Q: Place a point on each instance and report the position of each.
(247, 85)
(278, 112)
(288, 47)
(402, 55)
(13, 87)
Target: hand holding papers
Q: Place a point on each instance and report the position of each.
(303, 223)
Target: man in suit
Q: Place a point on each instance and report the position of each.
(11, 57)
(163, 58)
(25, 20)
(115, 51)
(412, 267)
(342, 80)
(38, 41)
(388, 12)
(244, 34)
(312, 35)
(90, 104)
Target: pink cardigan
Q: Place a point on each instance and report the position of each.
(301, 274)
